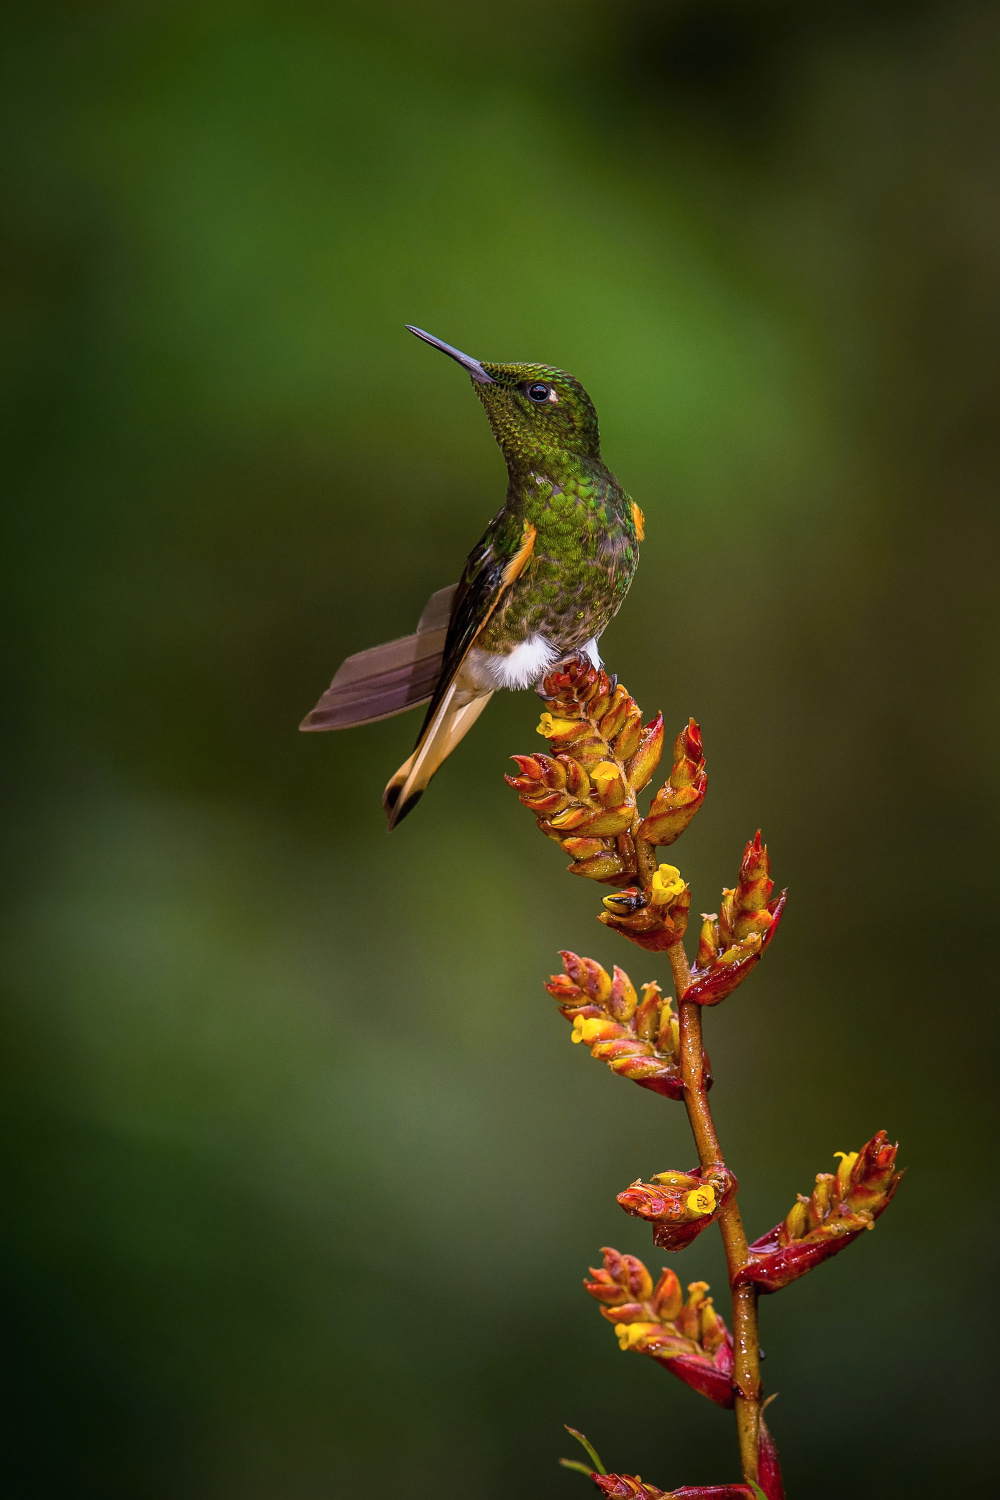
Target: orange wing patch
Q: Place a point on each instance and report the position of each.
(640, 521)
(522, 556)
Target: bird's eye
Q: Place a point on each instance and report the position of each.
(538, 391)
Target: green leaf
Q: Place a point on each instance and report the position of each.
(590, 1449)
(571, 1463)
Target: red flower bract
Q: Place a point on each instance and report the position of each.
(679, 1205)
(732, 943)
(842, 1205)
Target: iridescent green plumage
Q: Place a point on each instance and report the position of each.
(549, 573)
(586, 548)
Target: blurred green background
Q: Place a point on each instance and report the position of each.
(300, 1173)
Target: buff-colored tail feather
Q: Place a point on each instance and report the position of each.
(458, 711)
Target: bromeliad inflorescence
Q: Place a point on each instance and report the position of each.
(584, 791)
(685, 1335)
(637, 1038)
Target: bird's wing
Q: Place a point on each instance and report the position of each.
(493, 565)
(386, 680)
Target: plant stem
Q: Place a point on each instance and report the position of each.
(746, 1372)
(645, 857)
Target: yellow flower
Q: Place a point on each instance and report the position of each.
(667, 885)
(585, 1029)
(605, 773)
(702, 1200)
(847, 1160)
(631, 1333)
(549, 727)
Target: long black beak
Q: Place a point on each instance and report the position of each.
(473, 366)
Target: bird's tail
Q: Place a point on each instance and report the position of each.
(458, 711)
(387, 679)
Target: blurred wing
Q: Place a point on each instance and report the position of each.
(389, 679)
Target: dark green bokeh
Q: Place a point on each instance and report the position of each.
(300, 1173)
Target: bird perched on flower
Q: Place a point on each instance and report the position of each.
(549, 573)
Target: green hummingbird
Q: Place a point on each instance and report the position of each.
(548, 574)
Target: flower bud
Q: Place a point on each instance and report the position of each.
(637, 1039)
(630, 734)
(708, 941)
(667, 1298)
(732, 944)
(607, 864)
(640, 766)
(841, 1206)
(750, 911)
(622, 1278)
(677, 801)
(623, 1000)
(577, 780)
(647, 1018)
(678, 1205)
(686, 1337)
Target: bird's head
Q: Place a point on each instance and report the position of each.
(534, 410)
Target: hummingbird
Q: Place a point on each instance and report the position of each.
(548, 574)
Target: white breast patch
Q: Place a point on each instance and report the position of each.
(522, 667)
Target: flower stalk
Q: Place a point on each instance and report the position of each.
(746, 1341)
(585, 798)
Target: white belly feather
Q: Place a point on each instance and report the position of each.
(527, 664)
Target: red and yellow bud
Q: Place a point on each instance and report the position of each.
(867, 1178)
(842, 1205)
(667, 1299)
(680, 797)
(687, 1337)
(622, 1279)
(637, 1037)
(629, 736)
(643, 763)
(732, 944)
(610, 864)
(623, 1002)
(750, 909)
(679, 1205)
(708, 941)
(618, 714)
